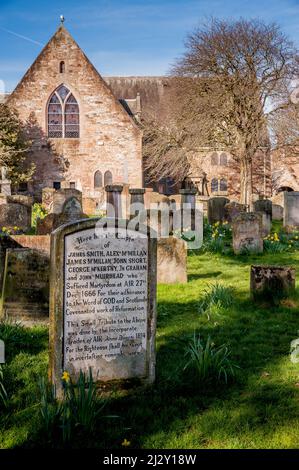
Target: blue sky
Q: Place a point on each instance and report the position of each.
(122, 37)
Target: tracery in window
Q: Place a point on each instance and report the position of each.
(63, 114)
(214, 185)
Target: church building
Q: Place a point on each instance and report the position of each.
(83, 136)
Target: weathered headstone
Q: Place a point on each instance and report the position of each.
(271, 282)
(277, 212)
(102, 302)
(15, 215)
(216, 212)
(264, 207)
(232, 210)
(25, 293)
(171, 261)
(71, 211)
(60, 197)
(247, 233)
(291, 210)
(114, 202)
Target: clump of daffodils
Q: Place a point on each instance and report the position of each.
(272, 238)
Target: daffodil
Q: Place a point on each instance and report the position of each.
(66, 376)
(126, 443)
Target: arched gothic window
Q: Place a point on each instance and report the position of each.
(214, 159)
(63, 114)
(214, 185)
(98, 180)
(107, 178)
(223, 159)
(223, 184)
(62, 67)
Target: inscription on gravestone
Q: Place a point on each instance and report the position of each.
(108, 295)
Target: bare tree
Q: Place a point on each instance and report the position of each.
(237, 70)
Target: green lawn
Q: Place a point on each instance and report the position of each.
(259, 409)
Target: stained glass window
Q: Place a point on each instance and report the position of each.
(63, 114)
(214, 185)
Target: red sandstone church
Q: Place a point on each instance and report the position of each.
(86, 133)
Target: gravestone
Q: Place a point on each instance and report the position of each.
(232, 210)
(60, 196)
(25, 293)
(103, 302)
(188, 200)
(15, 215)
(247, 233)
(171, 261)
(114, 202)
(271, 282)
(264, 207)
(277, 212)
(216, 212)
(137, 201)
(291, 210)
(71, 211)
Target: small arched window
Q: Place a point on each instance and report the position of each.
(63, 114)
(214, 185)
(214, 159)
(107, 178)
(98, 180)
(223, 184)
(62, 67)
(223, 159)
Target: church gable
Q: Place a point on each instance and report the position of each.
(62, 62)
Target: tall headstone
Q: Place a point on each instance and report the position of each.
(264, 207)
(216, 212)
(189, 200)
(291, 210)
(103, 302)
(114, 203)
(137, 201)
(248, 233)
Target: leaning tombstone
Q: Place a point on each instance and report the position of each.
(248, 233)
(114, 205)
(103, 302)
(264, 207)
(25, 293)
(291, 210)
(216, 212)
(271, 282)
(171, 261)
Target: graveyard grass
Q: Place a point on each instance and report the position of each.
(258, 409)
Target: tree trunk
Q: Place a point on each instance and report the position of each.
(246, 182)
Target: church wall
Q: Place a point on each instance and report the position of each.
(109, 139)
